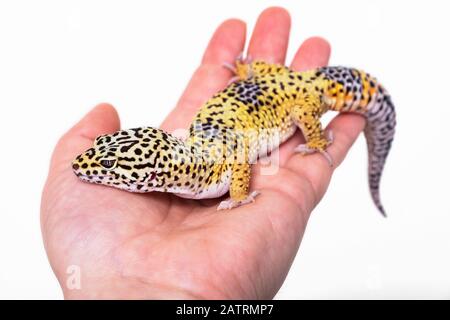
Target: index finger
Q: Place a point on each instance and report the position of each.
(270, 36)
(210, 77)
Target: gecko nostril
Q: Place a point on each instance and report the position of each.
(75, 166)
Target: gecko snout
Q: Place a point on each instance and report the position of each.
(76, 168)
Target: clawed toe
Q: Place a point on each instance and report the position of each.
(233, 79)
(329, 136)
(318, 145)
(239, 68)
(230, 203)
(304, 149)
(230, 67)
(327, 157)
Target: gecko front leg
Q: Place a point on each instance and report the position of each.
(239, 188)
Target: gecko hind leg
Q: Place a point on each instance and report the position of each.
(317, 145)
(230, 203)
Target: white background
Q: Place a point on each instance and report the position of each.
(60, 58)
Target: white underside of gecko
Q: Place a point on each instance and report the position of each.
(265, 145)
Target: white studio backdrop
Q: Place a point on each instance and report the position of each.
(60, 58)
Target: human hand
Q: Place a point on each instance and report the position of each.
(158, 245)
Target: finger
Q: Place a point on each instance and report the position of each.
(313, 53)
(270, 36)
(100, 120)
(314, 167)
(225, 45)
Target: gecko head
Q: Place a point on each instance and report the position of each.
(134, 160)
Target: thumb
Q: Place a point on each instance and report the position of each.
(101, 119)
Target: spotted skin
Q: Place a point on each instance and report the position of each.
(249, 118)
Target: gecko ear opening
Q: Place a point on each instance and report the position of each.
(108, 163)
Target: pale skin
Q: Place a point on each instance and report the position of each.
(159, 246)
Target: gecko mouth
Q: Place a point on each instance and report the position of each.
(87, 176)
(91, 179)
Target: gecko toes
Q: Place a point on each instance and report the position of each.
(304, 149)
(318, 145)
(329, 135)
(230, 67)
(230, 203)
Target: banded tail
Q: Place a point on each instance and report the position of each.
(352, 90)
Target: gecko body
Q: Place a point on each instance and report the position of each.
(249, 118)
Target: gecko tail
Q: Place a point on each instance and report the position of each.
(379, 133)
(353, 90)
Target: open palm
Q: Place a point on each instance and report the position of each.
(160, 246)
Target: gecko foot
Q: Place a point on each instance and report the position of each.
(230, 203)
(329, 136)
(241, 68)
(230, 67)
(317, 146)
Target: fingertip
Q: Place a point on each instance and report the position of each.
(320, 45)
(318, 42)
(234, 24)
(103, 118)
(226, 43)
(276, 11)
(313, 53)
(270, 36)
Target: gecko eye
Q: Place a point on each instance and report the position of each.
(108, 163)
